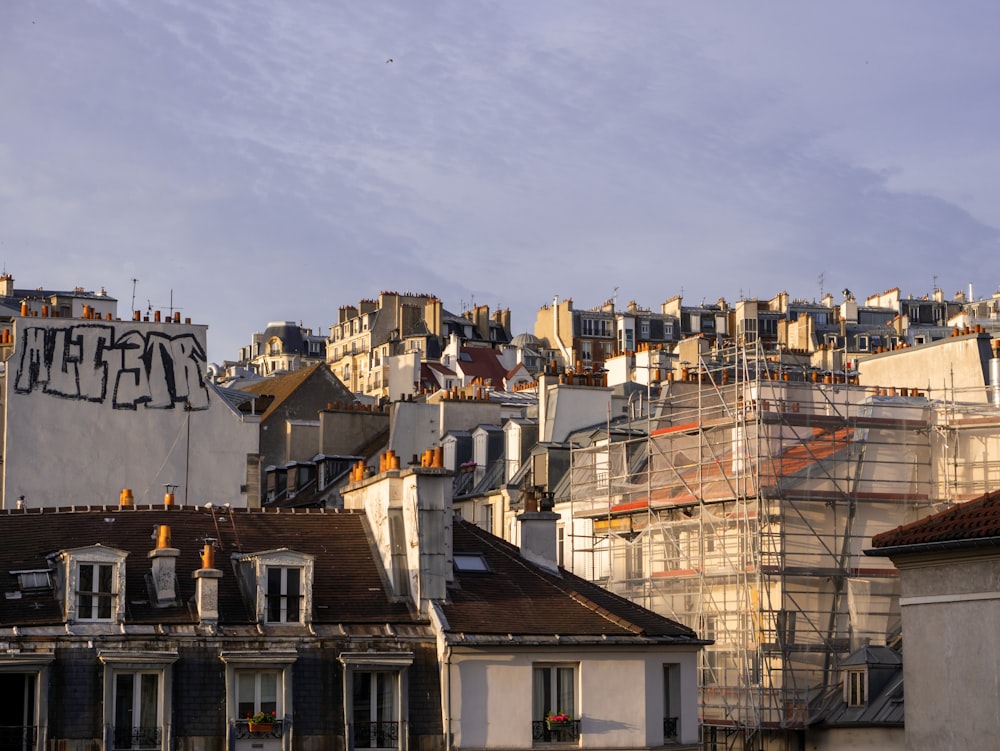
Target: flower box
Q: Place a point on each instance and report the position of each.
(261, 727)
(558, 724)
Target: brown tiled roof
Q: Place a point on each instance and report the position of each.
(518, 598)
(967, 523)
(272, 392)
(348, 584)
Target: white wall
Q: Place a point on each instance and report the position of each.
(92, 407)
(619, 695)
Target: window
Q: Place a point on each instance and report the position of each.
(137, 698)
(644, 328)
(136, 711)
(553, 691)
(33, 581)
(284, 594)
(856, 688)
(277, 584)
(376, 690)
(671, 701)
(95, 593)
(586, 353)
(257, 691)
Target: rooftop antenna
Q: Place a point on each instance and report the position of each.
(822, 275)
(134, 282)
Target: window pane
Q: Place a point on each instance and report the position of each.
(123, 702)
(245, 694)
(274, 594)
(147, 701)
(269, 692)
(540, 692)
(293, 590)
(565, 697)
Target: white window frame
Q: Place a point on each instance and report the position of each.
(393, 664)
(263, 662)
(556, 698)
(283, 593)
(36, 665)
(160, 664)
(253, 571)
(68, 576)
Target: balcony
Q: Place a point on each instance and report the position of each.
(568, 732)
(670, 729)
(243, 731)
(129, 738)
(376, 735)
(18, 737)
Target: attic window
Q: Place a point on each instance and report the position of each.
(33, 580)
(470, 562)
(856, 687)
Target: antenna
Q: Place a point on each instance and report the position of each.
(134, 282)
(822, 276)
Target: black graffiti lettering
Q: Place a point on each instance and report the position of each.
(181, 360)
(30, 368)
(77, 362)
(131, 384)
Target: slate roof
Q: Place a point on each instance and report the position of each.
(348, 587)
(518, 600)
(883, 708)
(971, 524)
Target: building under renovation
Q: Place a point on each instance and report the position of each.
(744, 509)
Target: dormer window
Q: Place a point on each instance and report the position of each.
(91, 583)
(856, 687)
(278, 583)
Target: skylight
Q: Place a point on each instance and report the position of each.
(470, 562)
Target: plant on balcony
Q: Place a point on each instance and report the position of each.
(262, 722)
(556, 720)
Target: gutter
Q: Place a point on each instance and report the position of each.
(930, 547)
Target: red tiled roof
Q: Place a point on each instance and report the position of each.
(274, 391)
(978, 519)
(483, 363)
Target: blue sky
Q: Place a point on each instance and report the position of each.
(257, 161)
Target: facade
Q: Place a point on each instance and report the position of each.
(949, 565)
(388, 625)
(282, 347)
(414, 328)
(128, 397)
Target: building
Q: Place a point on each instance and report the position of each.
(94, 404)
(282, 347)
(948, 565)
(391, 625)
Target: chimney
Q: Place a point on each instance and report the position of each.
(538, 535)
(206, 596)
(163, 575)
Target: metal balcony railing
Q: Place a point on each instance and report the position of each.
(545, 732)
(242, 730)
(18, 737)
(127, 737)
(669, 728)
(376, 735)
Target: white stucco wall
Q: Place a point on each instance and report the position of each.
(620, 695)
(92, 407)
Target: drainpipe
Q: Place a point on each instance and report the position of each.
(448, 735)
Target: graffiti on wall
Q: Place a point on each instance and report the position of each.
(87, 361)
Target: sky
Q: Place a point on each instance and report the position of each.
(248, 161)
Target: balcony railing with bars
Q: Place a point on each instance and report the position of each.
(549, 732)
(126, 737)
(274, 729)
(18, 737)
(670, 728)
(376, 734)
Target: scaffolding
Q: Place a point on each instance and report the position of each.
(744, 511)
